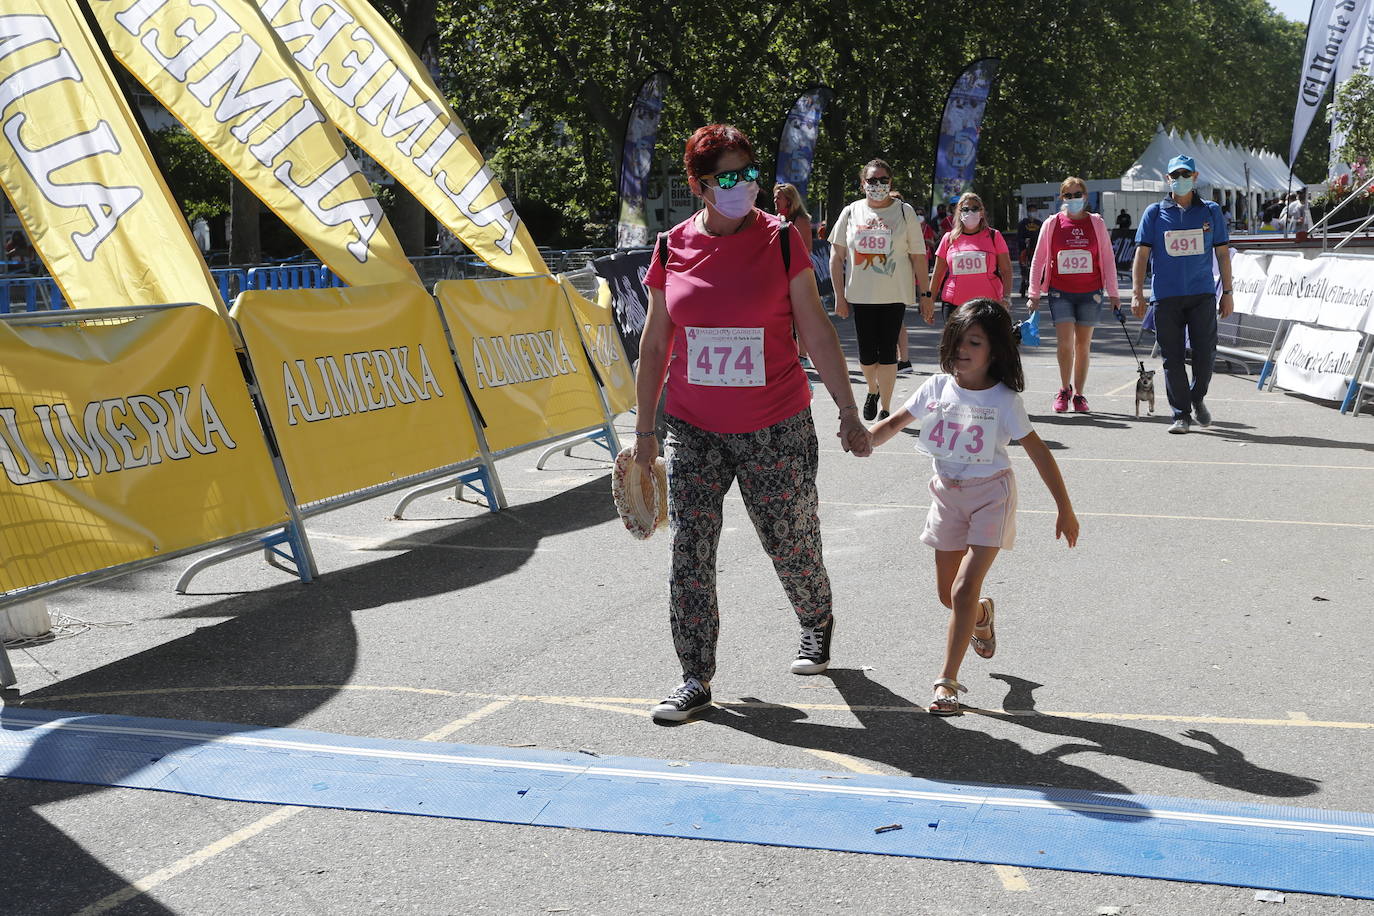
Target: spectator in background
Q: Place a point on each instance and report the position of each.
(1296, 216)
(1027, 235)
(787, 203)
(200, 229)
(1123, 221)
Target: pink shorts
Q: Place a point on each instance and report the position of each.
(977, 512)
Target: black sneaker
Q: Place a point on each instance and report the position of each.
(883, 415)
(871, 406)
(903, 365)
(690, 698)
(813, 656)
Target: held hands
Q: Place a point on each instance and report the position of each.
(854, 438)
(841, 306)
(1226, 305)
(1066, 525)
(1033, 304)
(1138, 305)
(928, 310)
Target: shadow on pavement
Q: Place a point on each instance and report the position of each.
(291, 634)
(931, 747)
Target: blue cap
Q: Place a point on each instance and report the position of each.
(1181, 162)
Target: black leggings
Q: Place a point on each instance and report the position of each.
(877, 327)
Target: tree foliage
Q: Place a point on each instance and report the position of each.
(199, 180)
(1353, 111)
(544, 85)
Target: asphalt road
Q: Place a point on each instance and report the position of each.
(1208, 638)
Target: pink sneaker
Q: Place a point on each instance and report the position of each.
(1061, 400)
(1080, 403)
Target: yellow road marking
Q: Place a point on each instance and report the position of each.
(163, 875)
(1115, 391)
(204, 854)
(844, 760)
(1012, 879)
(467, 720)
(741, 704)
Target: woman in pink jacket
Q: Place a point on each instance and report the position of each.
(1074, 265)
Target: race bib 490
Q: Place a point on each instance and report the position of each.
(962, 263)
(965, 433)
(725, 357)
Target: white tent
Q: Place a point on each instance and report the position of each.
(1225, 173)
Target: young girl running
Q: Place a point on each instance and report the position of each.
(967, 415)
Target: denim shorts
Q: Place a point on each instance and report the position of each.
(1080, 308)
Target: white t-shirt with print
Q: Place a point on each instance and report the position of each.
(967, 432)
(878, 247)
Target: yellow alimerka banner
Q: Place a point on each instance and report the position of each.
(76, 168)
(220, 69)
(378, 93)
(359, 385)
(125, 441)
(597, 323)
(522, 358)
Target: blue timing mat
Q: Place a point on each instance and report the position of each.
(1300, 850)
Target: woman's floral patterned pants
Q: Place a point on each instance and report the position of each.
(776, 470)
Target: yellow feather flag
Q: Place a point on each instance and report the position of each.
(378, 93)
(219, 68)
(77, 170)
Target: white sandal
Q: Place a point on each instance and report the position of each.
(947, 705)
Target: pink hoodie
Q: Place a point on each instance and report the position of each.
(1040, 264)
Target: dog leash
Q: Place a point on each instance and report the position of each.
(1121, 317)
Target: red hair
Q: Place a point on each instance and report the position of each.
(707, 144)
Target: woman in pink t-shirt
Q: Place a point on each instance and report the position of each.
(726, 287)
(1074, 263)
(972, 261)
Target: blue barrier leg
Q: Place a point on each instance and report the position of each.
(1264, 373)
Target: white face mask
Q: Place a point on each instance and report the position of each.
(971, 219)
(876, 193)
(1181, 186)
(736, 202)
(1075, 205)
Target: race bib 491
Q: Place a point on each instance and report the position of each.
(1179, 243)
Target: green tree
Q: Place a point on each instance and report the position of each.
(1353, 112)
(199, 181)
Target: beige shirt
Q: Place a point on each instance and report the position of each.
(878, 248)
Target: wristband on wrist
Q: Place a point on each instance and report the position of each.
(850, 407)
(640, 435)
(1226, 292)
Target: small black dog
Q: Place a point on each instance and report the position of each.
(1145, 390)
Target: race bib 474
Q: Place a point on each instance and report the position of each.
(725, 357)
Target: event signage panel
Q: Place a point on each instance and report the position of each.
(596, 321)
(376, 91)
(125, 441)
(77, 170)
(1317, 362)
(1247, 281)
(1289, 290)
(1332, 25)
(522, 358)
(1346, 287)
(219, 68)
(359, 385)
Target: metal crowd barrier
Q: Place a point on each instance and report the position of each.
(31, 294)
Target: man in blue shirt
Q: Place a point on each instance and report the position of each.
(1181, 234)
